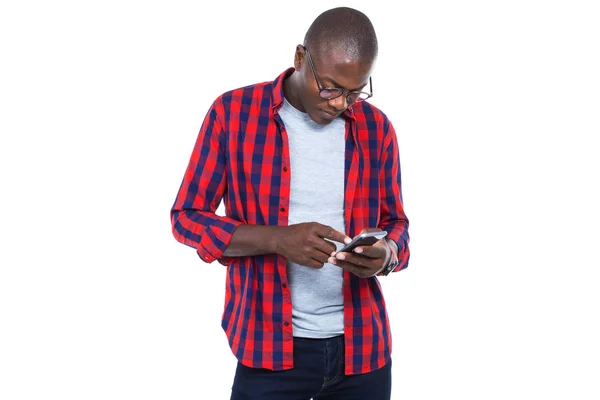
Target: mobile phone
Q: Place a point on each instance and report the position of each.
(364, 239)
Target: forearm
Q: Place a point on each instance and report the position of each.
(253, 240)
(205, 231)
(393, 246)
(398, 239)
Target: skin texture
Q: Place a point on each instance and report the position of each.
(305, 243)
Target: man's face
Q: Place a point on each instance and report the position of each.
(332, 69)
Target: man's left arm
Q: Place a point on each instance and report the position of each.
(392, 216)
(367, 261)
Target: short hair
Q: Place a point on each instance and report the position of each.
(346, 27)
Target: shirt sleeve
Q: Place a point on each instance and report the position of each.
(392, 217)
(193, 217)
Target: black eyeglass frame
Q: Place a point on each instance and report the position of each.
(339, 91)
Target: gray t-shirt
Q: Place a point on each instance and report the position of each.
(316, 195)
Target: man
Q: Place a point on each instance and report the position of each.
(302, 164)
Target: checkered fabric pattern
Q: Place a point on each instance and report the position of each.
(241, 157)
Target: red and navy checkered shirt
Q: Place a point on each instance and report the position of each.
(242, 157)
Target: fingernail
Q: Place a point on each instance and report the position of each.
(332, 254)
(340, 256)
(331, 260)
(358, 250)
(347, 240)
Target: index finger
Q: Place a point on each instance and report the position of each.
(327, 232)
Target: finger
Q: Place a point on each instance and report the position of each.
(375, 251)
(323, 247)
(357, 259)
(320, 257)
(327, 232)
(355, 269)
(312, 263)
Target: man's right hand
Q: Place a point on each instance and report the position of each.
(305, 243)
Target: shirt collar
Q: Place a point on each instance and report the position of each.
(277, 96)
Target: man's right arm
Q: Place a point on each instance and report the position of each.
(193, 217)
(216, 237)
(302, 244)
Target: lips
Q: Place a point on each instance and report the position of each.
(329, 115)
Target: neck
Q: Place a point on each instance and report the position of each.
(290, 91)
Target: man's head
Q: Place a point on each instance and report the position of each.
(339, 52)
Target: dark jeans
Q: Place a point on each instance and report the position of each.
(318, 373)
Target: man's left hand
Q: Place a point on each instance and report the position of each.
(364, 261)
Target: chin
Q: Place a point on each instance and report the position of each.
(320, 117)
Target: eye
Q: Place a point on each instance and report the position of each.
(330, 93)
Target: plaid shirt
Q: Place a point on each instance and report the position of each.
(242, 157)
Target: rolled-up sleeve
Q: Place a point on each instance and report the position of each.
(193, 217)
(392, 216)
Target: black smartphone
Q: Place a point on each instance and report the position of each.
(364, 239)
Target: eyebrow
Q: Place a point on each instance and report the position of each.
(337, 85)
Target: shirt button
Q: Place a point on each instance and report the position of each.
(282, 209)
(284, 286)
(284, 169)
(286, 323)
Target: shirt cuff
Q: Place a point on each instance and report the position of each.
(215, 240)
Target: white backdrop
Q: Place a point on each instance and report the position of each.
(495, 103)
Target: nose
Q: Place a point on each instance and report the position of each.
(339, 103)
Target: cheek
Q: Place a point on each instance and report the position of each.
(312, 99)
(309, 102)
(309, 95)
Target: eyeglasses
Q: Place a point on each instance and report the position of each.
(333, 93)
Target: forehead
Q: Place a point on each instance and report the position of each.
(335, 67)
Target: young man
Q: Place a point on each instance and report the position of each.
(302, 164)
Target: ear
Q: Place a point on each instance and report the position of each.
(299, 57)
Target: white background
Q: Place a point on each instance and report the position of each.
(496, 105)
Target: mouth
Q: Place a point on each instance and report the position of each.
(329, 115)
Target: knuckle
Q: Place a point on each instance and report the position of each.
(325, 230)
